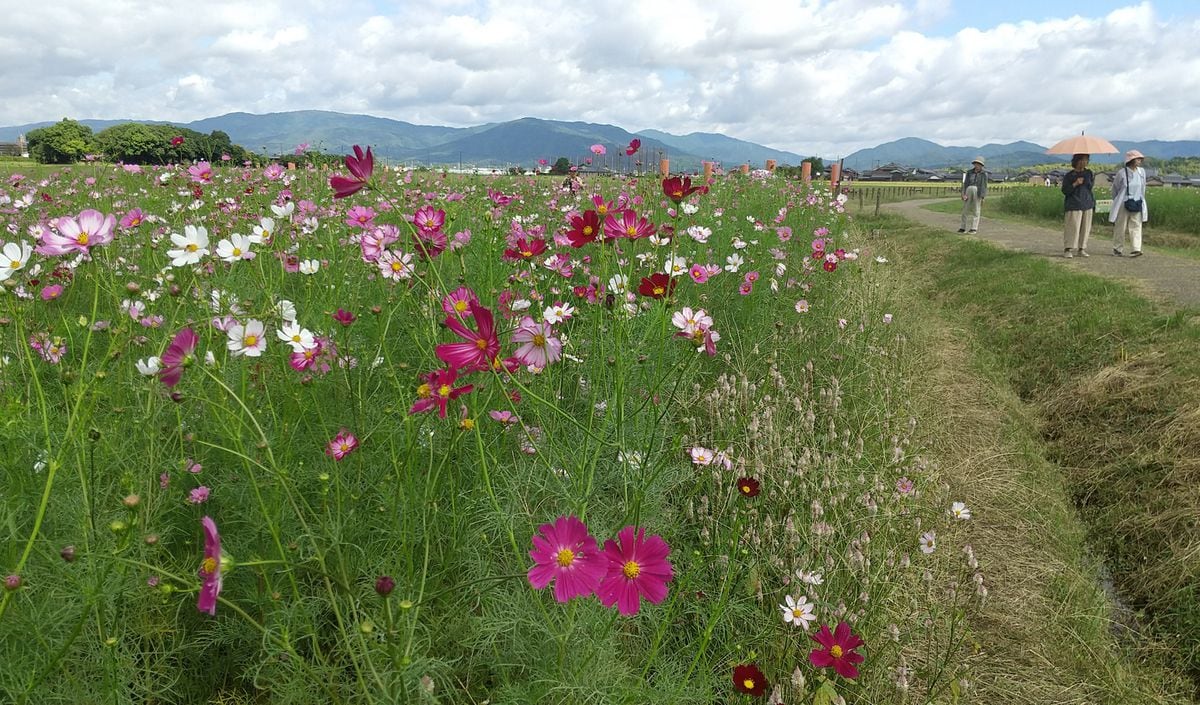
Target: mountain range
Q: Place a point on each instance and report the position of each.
(516, 142)
(526, 140)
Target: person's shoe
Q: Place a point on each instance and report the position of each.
(972, 231)
(1117, 253)
(1083, 253)
(962, 230)
(1068, 254)
(1135, 253)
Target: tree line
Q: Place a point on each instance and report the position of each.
(70, 141)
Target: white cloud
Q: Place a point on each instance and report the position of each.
(810, 76)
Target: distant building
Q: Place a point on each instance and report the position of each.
(15, 149)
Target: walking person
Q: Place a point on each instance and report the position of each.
(974, 190)
(1129, 208)
(1079, 204)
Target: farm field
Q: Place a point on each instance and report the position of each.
(457, 439)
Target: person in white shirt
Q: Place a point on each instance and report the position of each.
(1129, 189)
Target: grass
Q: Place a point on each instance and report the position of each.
(1111, 385)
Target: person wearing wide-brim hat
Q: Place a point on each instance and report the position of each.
(974, 190)
(1129, 208)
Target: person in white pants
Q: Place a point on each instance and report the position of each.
(1129, 184)
(974, 190)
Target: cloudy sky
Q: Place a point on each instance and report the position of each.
(811, 76)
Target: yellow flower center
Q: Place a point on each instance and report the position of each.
(250, 341)
(209, 565)
(539, 340)
(424, 391)
(237, 252)
(192, 247)
(467, 424)
(565, 557)
(798, 613)
(587, 230)
(601, 210)
(444, 390)
(83, 238)
(526, 253)
(481, 343)
(15, 264)
(631, 231)
(746, 489)
(748, 684)
(631, 569)
(658, 290)
(344, 447)
(460, 306)
(835, 651)
(397, 266)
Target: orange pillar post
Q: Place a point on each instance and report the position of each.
(806, 172)
(664, 166)
(745, 168)
(771, 165)
(708, 170)
(835, 173)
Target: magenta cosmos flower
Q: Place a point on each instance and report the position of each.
(837, 650)
(210, 568)
(361, 166)
(78, 234)
(437, 391)
(627, 224)
(177, 356)
(482, 345)
(637, 568)
(565, 553)
(343, 444)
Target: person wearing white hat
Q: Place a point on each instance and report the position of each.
(974, 190)
(1129, 208)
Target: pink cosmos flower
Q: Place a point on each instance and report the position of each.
(343, 444)
(374, 242)
(361, 166)
(482, 345)
(89, 229)
(537, 345)
(504, 417)
(201, 172)
(637, 568)
(52, 292)
(429, 218)
(395, 265)
(698, 273)
(132, 219)
(199, 495)
(565, 553)
(628, 225)
(360, 217)
(838, 650)
(437, 392)
(458, 302)
(599, 150)
(210, 568)
(177, 356)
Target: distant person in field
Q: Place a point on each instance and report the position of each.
(974, 190)
(1129, 209)
(1080, 203)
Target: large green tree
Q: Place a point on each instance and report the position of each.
(62, 143)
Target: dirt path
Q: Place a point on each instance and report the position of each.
(1169, 278)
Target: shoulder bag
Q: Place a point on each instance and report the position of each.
(1133, 205)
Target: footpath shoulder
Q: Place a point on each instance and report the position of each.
(1167, 277)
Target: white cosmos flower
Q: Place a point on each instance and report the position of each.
(699, 233)
(286, 309)
(247, 339)
(263, 231)
(13, 257)
(299, 338)
(690, 208)
(959, 511)
(733, 263)
(190, 247)
(234, 248)
(284, 211)
(690, 321)
(148, 367)
(928, 542)
(798, 612)
(557, 313)
(309, 266)
(618, 284)
(521, 305)
(676, 266)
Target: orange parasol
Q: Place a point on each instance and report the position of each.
(1083, 144)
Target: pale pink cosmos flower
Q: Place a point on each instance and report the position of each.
(537, 345)
(701, 456)
(80, 234)
(689, 321)
(199, 495)
(396, 266)
(210, 568)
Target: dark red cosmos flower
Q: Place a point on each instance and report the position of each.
(678, 188)
(343, 316)
(437, 391)
(362, 166)
(748, 679)
(525, 249)
(837, 650)
(634, 145)
(176, 140)
(657, 286)
(748, 487)
(584, 228)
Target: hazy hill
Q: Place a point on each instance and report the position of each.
(915, 152)
(729, 151)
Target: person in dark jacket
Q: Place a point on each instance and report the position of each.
(974, 190)
(1079, 204)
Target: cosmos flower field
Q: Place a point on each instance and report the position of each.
(377, 436)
